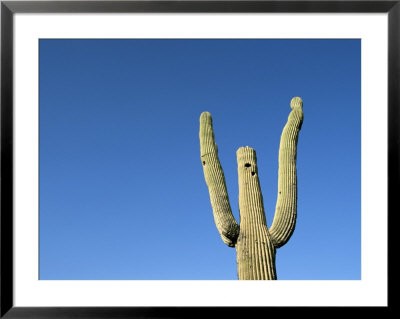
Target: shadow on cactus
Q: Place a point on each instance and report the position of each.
(255, 243)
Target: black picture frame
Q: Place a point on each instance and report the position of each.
(9, 8)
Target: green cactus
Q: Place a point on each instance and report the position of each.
(255, 243)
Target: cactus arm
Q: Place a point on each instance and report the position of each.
(215, 180)
(285, 215)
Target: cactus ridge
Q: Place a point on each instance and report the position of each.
(255, 243)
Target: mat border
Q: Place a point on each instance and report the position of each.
(9, 8)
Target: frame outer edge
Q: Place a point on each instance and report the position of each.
(6, 240)
(7, 8)
(393, 120)
(118, 6)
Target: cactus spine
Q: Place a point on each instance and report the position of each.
(255, 243)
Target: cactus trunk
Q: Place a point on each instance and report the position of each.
(254, 249)
(255, 243)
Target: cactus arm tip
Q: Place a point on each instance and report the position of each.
(205, 114)
(205, 117)
(296, 102)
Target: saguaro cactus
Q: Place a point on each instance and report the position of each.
(255, 243)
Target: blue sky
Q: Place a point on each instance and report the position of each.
(122, 191)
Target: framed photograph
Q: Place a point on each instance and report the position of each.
(127, 131)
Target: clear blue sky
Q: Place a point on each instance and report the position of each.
(122, 191)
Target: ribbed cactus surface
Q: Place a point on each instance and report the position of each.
(255, 243)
